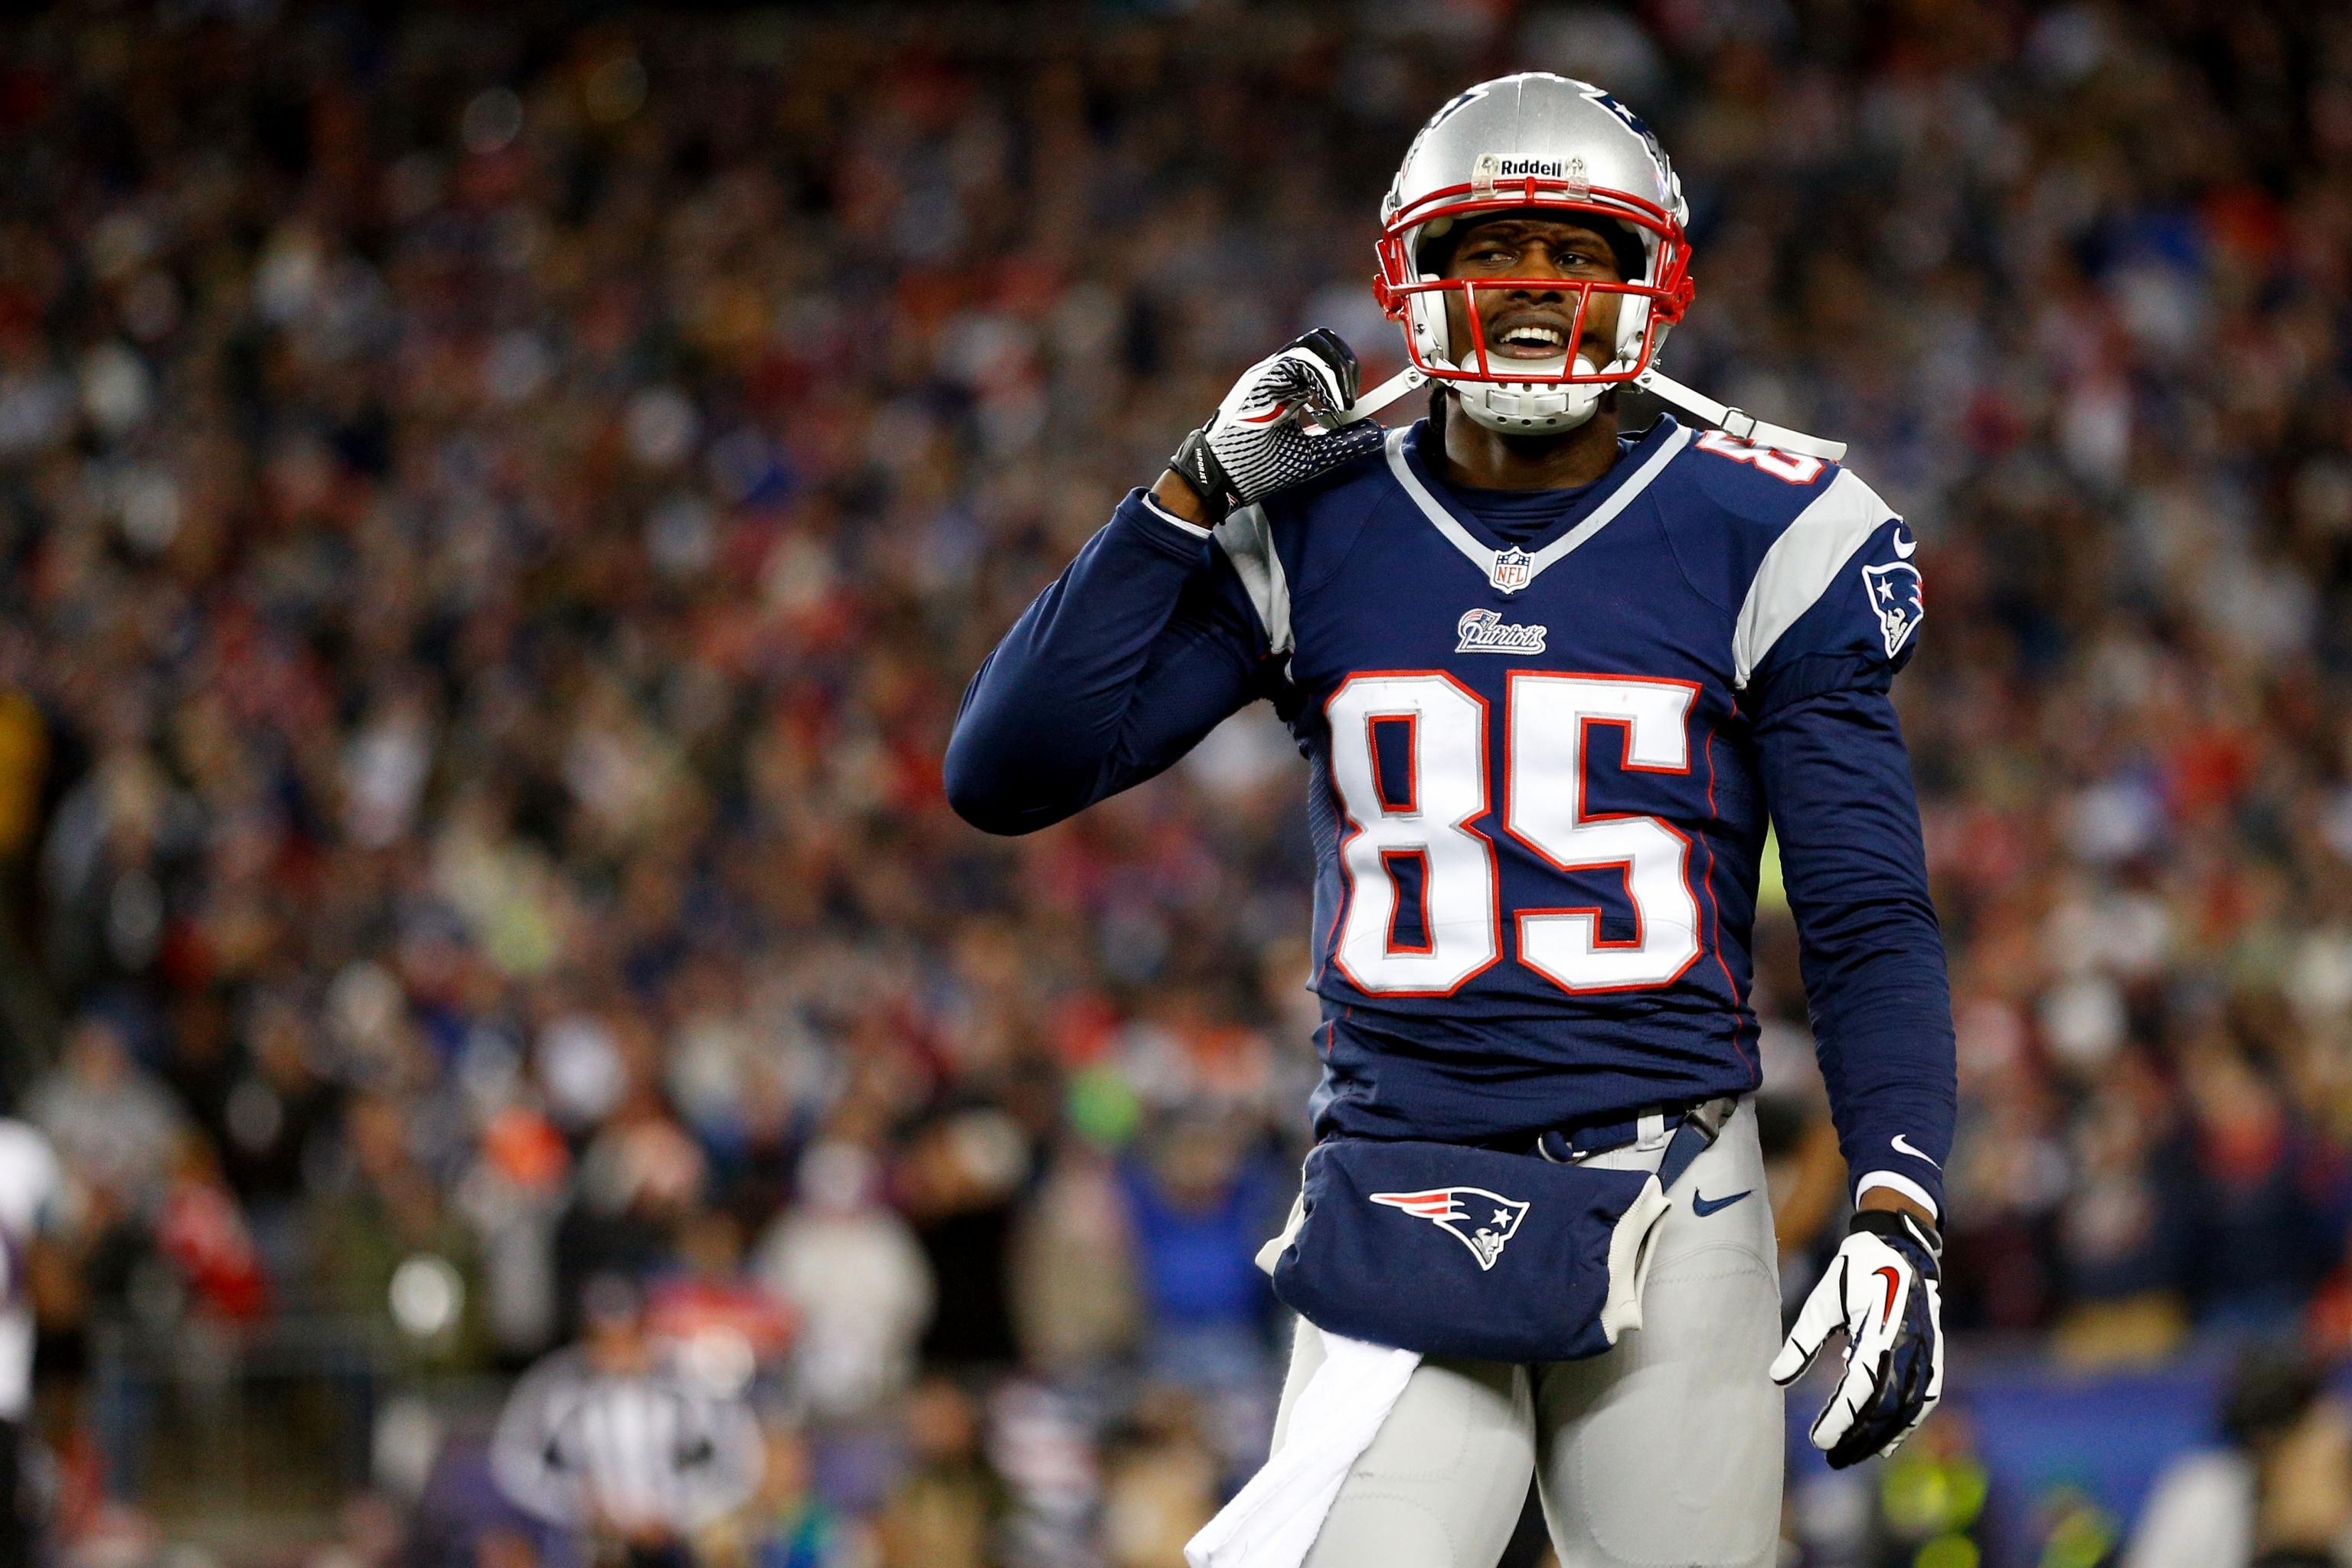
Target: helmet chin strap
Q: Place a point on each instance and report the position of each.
(1735, 421)
(1732, 421)
(1380, 396)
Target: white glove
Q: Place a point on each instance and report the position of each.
(1256, 443)
(1883, 1289)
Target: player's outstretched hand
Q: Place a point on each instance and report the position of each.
(1256, 442)
(1884, 1290)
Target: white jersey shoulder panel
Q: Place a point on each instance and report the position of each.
(1801, 565)
(1247, 539)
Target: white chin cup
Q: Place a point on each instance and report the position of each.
(1530, 408)
(1522, 408)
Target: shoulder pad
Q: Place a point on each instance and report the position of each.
(1759, 484)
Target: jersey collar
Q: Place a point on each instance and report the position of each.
(1510, 570)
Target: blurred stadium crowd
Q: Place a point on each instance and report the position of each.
(499, 514)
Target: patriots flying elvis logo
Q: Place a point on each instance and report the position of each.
(1899, 598)
(1478, 1219)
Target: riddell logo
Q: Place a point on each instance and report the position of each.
(1493, 166)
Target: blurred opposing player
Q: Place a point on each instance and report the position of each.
(1551, 679)
(30, 1188)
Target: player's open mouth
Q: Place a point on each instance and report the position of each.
(1524, 335)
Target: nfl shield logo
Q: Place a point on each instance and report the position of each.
(1513, 567)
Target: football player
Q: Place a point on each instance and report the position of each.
(1551, 679)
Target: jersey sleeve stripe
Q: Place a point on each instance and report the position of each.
(1247, 539)
(1801, 565)
(1151, 503)
(1901, 1184)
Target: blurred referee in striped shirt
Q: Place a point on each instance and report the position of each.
(613, 1438)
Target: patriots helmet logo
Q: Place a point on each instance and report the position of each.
(1480, 1220)
(1900, 599)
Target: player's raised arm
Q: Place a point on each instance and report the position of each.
(1148, 640)
(1838, 779)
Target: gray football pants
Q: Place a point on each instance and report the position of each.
(1664, 1453)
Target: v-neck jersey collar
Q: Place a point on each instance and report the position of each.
(1510, 568)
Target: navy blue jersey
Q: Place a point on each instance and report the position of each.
(1541, 776)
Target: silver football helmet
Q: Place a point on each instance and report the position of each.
(1533, 140)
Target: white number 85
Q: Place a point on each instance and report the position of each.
(1444, 736)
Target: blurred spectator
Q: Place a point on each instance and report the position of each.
(2279, 1495)
(278, 1121)
(376, 1214)
(851, 1270)
(1076, 1298)
(790, 1526)
(113, 1125)
(947, 1510)
(708, 1302)
(199, 1228)
(961, 1183)
(1199, 1208)
(1159, 1484)
(2259, 1247)
(513, 1196)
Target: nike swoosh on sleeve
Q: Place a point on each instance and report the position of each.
(1903, 1146)
(1905, 547)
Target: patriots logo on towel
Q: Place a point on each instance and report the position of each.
(1478, 1219)
(1900, 599)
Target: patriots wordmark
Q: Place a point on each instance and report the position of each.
(1486, 631)
(1478, 1219)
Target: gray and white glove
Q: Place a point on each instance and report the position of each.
(1883, 1289)
(1256, 443)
